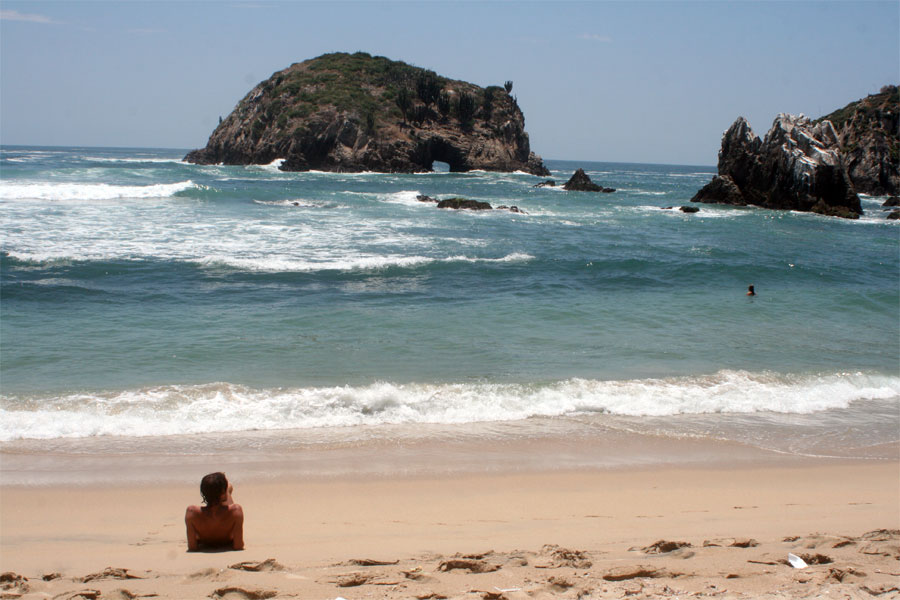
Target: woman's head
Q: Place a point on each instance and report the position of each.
(213, 487)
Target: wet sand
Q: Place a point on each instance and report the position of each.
(570, 534)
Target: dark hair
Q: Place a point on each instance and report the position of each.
(212, 487)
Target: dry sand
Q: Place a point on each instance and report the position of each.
(539, 535)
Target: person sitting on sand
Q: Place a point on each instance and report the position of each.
(220, 524)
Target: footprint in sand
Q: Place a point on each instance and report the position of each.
(236, 593)
(79, 595)
(210, 573)
(563, 557)
(370, 562)
(270, 564)
(123, 594)
(110, 573)
(664, 547)
(473, 566)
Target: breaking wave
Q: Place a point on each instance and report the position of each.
(223, 407)
(90, 191)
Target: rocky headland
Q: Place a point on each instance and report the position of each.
(797, 166)
(869, 135)
(355, 112)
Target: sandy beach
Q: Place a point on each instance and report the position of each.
(651, 532)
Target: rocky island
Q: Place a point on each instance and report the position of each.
(355, 112)
(797, 166)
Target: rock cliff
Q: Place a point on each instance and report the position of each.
(869, 132)
(798, 166)
(356, 112)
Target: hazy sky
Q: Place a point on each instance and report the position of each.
(609, 81)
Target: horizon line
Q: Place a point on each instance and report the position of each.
(572, 160)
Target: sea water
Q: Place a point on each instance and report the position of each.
(148, 301)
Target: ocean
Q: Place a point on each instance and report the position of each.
(189, 314)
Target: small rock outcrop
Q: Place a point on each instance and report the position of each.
(355, 112)
(869, 133)
(798, 166)
(581, 182)
(464, 203)
(721, 190)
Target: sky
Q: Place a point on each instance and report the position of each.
(639, 81)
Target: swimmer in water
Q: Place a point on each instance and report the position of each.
(750, 291)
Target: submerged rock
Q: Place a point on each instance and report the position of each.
(798, 166)
(514, 209)
(546, 183)
(463, 203)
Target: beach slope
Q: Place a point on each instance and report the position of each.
(599, 534)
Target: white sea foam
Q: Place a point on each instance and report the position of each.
(720, 213)
(356, 263)
(220, 407)
(294, 203)
(112, 231)
(107, 159)
(298, 265)
(272, 167)
(342, 174)
(407, 197)
(89, 191)
(640, 192)
(26, 156)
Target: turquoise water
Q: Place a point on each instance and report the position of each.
(145, 296)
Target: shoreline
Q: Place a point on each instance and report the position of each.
(315, 528)
(411, 452)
